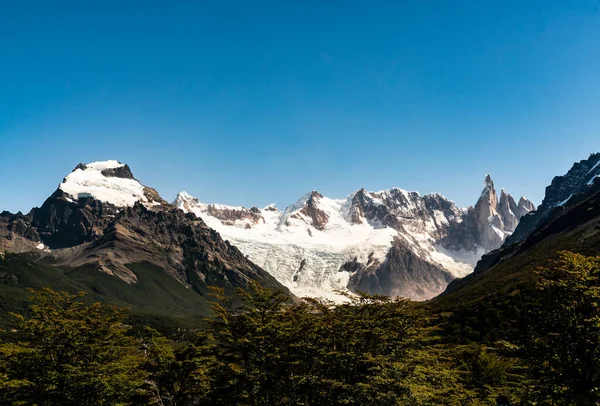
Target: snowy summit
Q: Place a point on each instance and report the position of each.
(107, 181)
(318, 245)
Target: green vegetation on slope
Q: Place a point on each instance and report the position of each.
(260, 349)
(574, 228)
(157, 299)
(69, 353)
(484, 305)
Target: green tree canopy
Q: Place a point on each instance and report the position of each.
(564, 340)
(69, 353)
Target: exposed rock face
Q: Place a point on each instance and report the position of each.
(86, 201)
(20, 224)
(271, 207)
(489, 222)
(311, 210)
(571, 224)
(397, 208)
(576, 181)
(507, 208)
(179, 243)
(17, 233)
(464, 235)
(359, 202)
(403, 273)
(61, 222)
(229, 215)
(155, 199)
(109, 182)
(186, 202)
(412, 266)
(118, 172)
(392, 241)
(525, 207)
(486, 225)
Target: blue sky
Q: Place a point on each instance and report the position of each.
(248, 103)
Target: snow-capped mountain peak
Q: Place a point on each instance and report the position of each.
(271, 207)
(186, 202)
(313, 209)
(185, 196)
(318, 245)
(107, 181)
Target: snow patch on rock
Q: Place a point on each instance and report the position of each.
(88, 181)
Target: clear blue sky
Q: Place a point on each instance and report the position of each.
(251, 102)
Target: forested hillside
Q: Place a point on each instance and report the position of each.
(263, 349)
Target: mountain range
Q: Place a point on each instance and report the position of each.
(102, 227)
(390, 242)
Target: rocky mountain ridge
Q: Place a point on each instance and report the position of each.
(579, 184)
(101, 216)
(576, 181)
(573, 225)
(391, 242)
(319, 245)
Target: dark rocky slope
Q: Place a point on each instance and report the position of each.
(403, 273)
(574, 226)
(577, 180)
(86, 232)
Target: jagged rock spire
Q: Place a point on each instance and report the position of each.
(489, 183)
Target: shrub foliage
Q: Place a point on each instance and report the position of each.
(263, 348)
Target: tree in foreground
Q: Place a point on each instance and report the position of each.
(564, 349)
(178, 369)
(370, 350)
(69, 353)
(262, 348)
